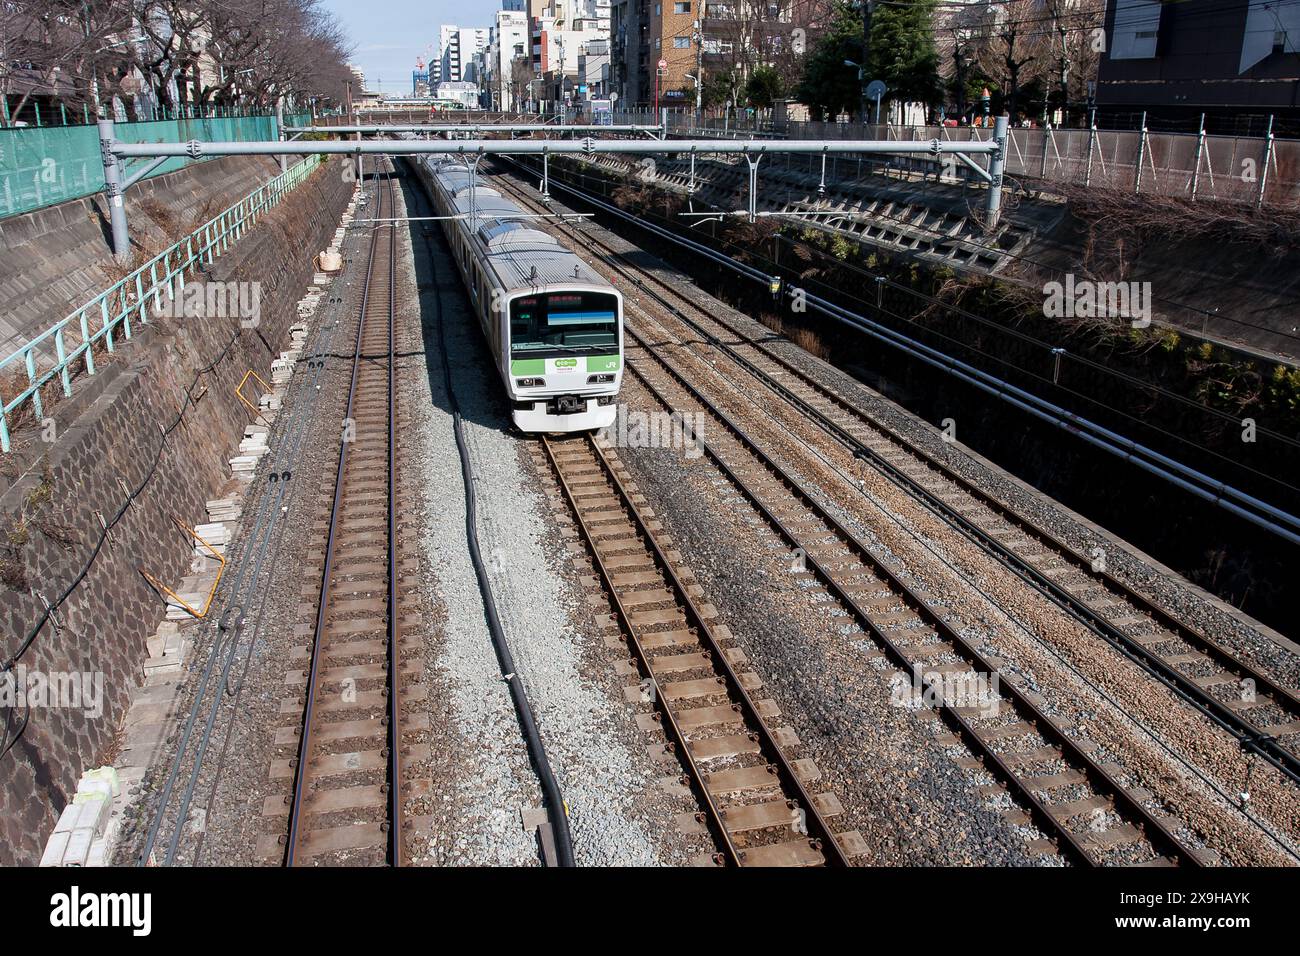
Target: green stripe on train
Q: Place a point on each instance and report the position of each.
(595, 363)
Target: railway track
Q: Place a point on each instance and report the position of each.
(349, 775)
(1085, 814)
(1262, 713)
(755, 797)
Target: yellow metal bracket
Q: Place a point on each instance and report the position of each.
(239, 394)
(180, 601)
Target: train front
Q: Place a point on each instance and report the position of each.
(566, 357)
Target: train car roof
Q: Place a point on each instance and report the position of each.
(514, 248)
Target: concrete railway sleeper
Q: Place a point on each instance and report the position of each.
(755, 797)
(1029, 753)
(348, 791)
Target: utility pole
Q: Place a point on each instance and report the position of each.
(866, 46)
(699, 72)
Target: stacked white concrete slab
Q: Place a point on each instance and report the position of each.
(83, 835)
(153, 711)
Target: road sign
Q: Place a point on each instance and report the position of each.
(875, 90)
(663, 64)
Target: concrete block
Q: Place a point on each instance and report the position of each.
(55, 848)
(77, 852)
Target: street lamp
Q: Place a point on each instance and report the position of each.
(862, 89)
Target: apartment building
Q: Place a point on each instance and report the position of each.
(509, 43)
(1228, 59)
(457, 48)
(646, 33)
(561, 35)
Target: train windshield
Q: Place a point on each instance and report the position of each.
(565, 322)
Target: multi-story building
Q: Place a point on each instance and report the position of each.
(509, 44)
(1237, 61)
(699, 37)
(560, 36)
(593, 71)
(629, 31)
(457, 47)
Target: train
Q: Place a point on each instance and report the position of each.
(553, 324)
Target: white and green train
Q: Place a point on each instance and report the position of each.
(554, 325)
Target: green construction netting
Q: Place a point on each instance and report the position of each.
(40, 166)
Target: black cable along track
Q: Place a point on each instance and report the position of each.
(558, 813)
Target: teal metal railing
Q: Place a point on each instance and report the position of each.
(44, 165)
(60, 351)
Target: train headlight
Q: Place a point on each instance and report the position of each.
(599, 379)
(530, 382)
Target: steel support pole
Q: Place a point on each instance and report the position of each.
(1092, 142)
(753, 185)
(1200, 149)
(1142, 151)
(1263, 173)
(113, 191)
(997, 164)
(282, 159)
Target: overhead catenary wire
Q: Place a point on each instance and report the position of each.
(1267, 517)
(1156, 390)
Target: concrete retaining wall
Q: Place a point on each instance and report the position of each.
(57, 258)
(109, 437)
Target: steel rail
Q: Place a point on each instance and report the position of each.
(1157, 833)
(397, 848)
(819, 829)
(1251, 736)
(305, 740)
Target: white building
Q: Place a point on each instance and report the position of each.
(560, 37)
(459, 91)
(457, 47)
(509, 43)
(594, 71)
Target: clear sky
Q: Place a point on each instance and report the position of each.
(388, 35)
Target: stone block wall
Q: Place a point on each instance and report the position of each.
(110, 441)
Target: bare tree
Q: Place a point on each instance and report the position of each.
(1014, 50)
(61, 48)
(741, 35)
(1073, 48)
